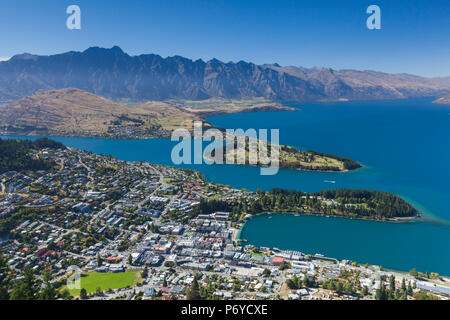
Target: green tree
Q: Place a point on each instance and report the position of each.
(409, 289)
(27, 288)
(194, 291)
(364, 291)
(404, 295)
(5, 279)
(65, 294)
(83, 294)
(381, 293)
(144, 273)
(48, 292)
(98, 291)
(413, 273)
(392, 287)
(404, 284)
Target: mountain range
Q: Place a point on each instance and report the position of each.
(113, 74)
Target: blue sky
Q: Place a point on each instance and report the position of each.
(414, 38)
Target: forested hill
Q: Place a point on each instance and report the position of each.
(16, 154)
(378, 204)
(374, 205)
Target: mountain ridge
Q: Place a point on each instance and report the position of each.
(115, 75)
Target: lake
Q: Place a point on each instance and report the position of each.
(403, 145)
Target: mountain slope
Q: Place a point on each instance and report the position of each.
(116, 75)
(355, 85)
(77, 112)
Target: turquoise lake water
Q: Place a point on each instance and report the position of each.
(404, 146)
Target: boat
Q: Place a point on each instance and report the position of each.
(329, 181)
(319, 255)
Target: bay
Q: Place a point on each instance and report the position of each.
(404, 146)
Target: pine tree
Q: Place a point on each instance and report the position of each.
(4, 279)
(392, 287)
(27, 288)
(194, 291)
(83, 294)
(405, 295)
(410, 290)
(381, 292)
(145, 272)
(49, 291)
(99, 260)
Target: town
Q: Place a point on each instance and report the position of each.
(135, 231)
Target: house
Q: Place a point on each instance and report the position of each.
(116, 268)
(276, 261)
(222, 216)
(113, 259)
(92, 194)
(81, 207)
(149, 292)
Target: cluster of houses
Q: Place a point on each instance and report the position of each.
(107, 215)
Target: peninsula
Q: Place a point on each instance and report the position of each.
(74, 112)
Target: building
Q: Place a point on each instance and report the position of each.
(276, 261)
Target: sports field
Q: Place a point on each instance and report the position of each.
(93, 280)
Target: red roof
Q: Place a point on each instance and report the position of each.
(278, 260)
(40, 252)
(113, 258)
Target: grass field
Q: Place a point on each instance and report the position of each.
(93, 280)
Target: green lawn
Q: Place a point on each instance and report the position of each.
(93, 280)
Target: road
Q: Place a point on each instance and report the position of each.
(161, 184)
(89, 176)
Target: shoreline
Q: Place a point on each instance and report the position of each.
(278, 107)
(238, 237)
(164, 137)
(417, 218)
(244, 241)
